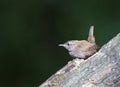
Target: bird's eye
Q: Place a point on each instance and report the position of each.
(68, 44)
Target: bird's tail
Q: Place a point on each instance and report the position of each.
(91, 37)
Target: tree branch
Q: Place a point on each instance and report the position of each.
(100, 70)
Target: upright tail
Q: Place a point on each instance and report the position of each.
(91, 37)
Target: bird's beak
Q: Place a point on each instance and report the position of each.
(61, 45)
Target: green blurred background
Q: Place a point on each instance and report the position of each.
(30, 31)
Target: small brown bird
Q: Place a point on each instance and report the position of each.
(82, 48)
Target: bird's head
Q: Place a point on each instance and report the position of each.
(70, 45)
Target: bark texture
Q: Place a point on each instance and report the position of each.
(100, 70)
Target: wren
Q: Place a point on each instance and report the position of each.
(82, 49)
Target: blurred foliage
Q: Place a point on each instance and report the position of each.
(30, 31)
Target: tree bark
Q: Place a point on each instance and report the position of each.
(100, 70)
